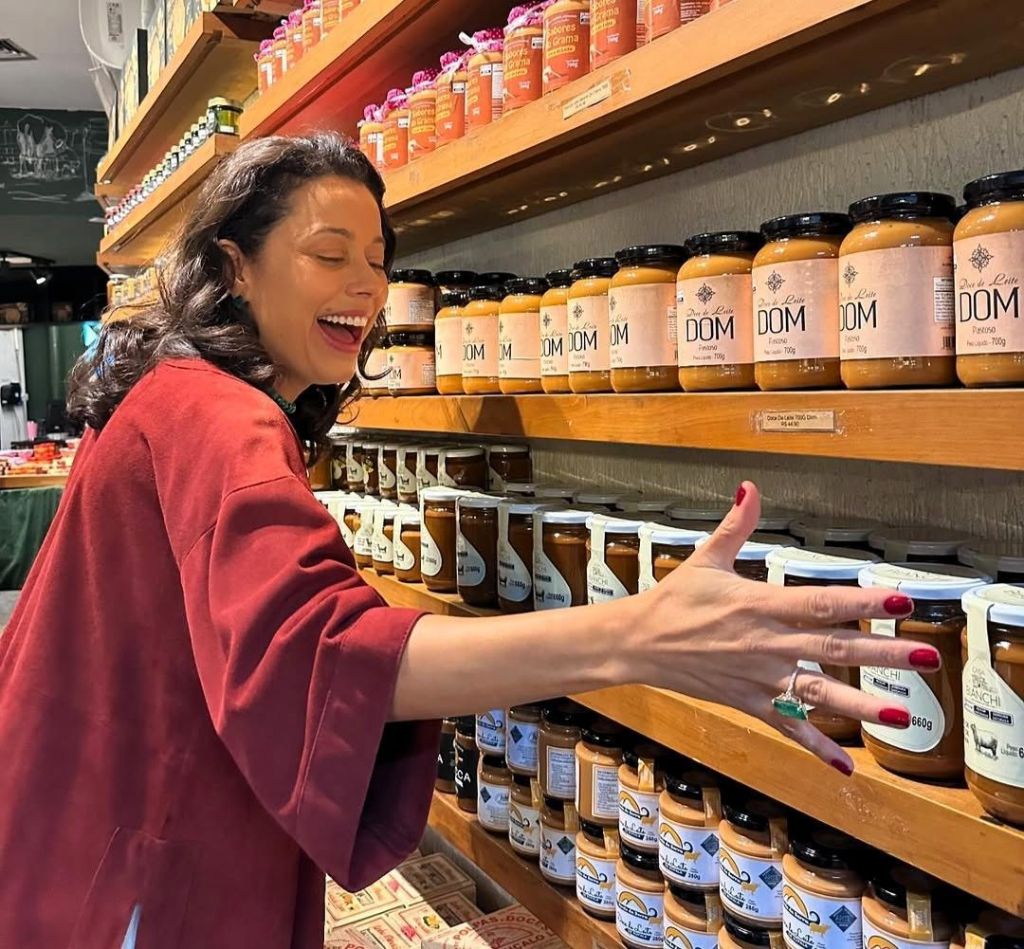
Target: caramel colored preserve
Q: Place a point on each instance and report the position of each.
(480, 340)
(554, 333)
(519, 336)
(589, 333)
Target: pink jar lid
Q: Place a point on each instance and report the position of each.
(395, 99)
(527, 15)
(485, 41)
(279, 33)
(423, 79)
(453, 61)
(295, 18)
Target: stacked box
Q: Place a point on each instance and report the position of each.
(407, 928)
(156, 35)
(134, 75)
(511, 928)
(177, 25)
(431, 876)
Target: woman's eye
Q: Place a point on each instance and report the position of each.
(331, 260)
(379, 267)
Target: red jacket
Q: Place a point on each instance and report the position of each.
(194, 692)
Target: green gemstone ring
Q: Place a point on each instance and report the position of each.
(787, 704)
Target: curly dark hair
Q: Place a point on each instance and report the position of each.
(242, 200)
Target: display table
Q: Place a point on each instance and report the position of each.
(25, 516)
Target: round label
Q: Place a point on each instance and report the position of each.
(875, 938)
(514, 581)
(471, 566)
(679, 937)
(521, 748)
(490, 732)
(640, 917)
(638, 818)
(524, 828)
(595, 882)
(988, 274)
(810, 921)
(560, 773)
(688, 855)
(492, 805)
(557, 854)
(751, 886)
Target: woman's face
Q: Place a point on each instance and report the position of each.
(317, 284)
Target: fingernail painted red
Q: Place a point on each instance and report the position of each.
(897, 717)
(898, 605)
(741, 493)
(842, 766)
(925, 659)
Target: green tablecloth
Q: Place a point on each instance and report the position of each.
(25, 515)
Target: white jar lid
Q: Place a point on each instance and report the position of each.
(835, 530)
(462, 452)
(817, 563)
(1005, 602)
(480, 501)
(521, 487)
(523, 505)
(992, 558)
(438, 493)
(597, 496)
(566, 517)
(929, 581)
(776, 520)
(697, 511)
(392, 446)
(508, 449)
(558, 491)
(759, 545)
(615, 525)
(644, 503)
(900, 543)
(677, 536)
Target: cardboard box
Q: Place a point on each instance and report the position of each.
(346, 939)
(177, 26)
(156, 43)
(381, 933)
(347, 909)
(440, 914)
(432, 876)
(193, 9)
(134, 77)
(511, 928)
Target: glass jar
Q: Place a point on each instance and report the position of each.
(450, 108)
(848, 532)
(371, 136)
(918, 544)
(467, 764)
(426, 467)
(896, 292)
(410, 304)
(988, 257)
(438, 563)
(362, 548)
(515, 554)
(281, 47)
(558, 828)
(598, 757)
(485, 79)
(613, 552)
(821, 567)
(692, 919)
(1004, 563)
(662, 549)
(456, 281)
(554, 331)
(750, 561)
(462, 468)
(396, 129)
(903, 907)
(223, 115)
(596, 499)
(374, 380)
(597, 853)
(508, 463)
(448, 342)
(371, 459)
(264, 68)
(754, 836)
(639, 899)
(330, 15)
(522, 739)
(423, 113)
(494, 786)
(642, 318)
(480, 341)
(491, 733)
(740, 934)
(663, 16)
(588, 330)
(523, 56)
(641, 781)
(477, 549)
(519, 336)
(715, 322)
(690, 810)
(311, 24)
(405, 474)
(933, 746)
(524, 817)
(566, 43)
(993, 682)
(612, 30)
(796, 298)
(560, 731)
(382, 552)
(560, 559)
(445, 780)
(411, 367)
(407, 536)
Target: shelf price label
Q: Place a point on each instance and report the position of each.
(821, 420)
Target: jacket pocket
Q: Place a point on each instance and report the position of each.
(142, 877)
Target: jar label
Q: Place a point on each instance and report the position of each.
(993, 712)
(480, 346)
(751, 886)
(604, 781)
(646, 579)
(602, 584)
(642, 326)
(431, 561)
(989, 273)
(514, 580)
(595, 882)
(662, 17)
(557, 854)
(347, 534)
(524, 64)
(612, 30)
(795, 307)
(410, 368)
(386, 478)
(550, 591)
(353, 468)
(715, 321)
(490, 732)
(383, 549)
(927, 721)
(560, 773)
(588, 334)
(424, 477)
(875, 938)
(467, 761)
(896, 302)
(639, 916)
(403, 557)
(524, 828)
(446, 757)
(638, 818)
(554, 348)
(519, 338)
(810, 921)
(521, 750)
(679, 937)
(472, 569)
(364, 536)
(566, 47)
(405, 476)
(688, 855)
(448, 346)
(492, 805)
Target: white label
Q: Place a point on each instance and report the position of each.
(430, 553)
(557, 854)
(605, 781)
(554, 346)
(875, 938)
(364, 536)
(640, 917)
(810, 921)
(385, 475)
(638, 818)
(679, 937)
(424, 478)
(688, 855)
(550, 591)
(383, 549)
(595, 882)
(406, 478)
(346, 532)
(490, 732)
(589, 335)
(514, 581)
(646, 580)
(448, 346)
(403, 557)
(927, 722)
(602, 584)
(353, 469)
(751, 886)
(593, 96)
(492, 805)
(521, 750)
(560, 773)
(471, 566)
(524, 828)
(815, 421)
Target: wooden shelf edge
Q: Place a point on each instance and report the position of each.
(15, 482)
(556, 907)
(941, 830)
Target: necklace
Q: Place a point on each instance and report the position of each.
(287, 407)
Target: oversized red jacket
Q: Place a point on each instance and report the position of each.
(194, 692)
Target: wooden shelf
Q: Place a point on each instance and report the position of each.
(749, 73)
(556, 907)
(854, 424)
(141, 236)
(942, 830)
(215, 59)
(377, 47)
(14, 482)
(273, 9)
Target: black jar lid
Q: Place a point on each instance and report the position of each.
(640, 254)
(1002, 186)
(724, 242)
(904, 204)
(466, 725)
(487, 292)
(496, 277)
(746, 932)
(694, 900)
(752, 814)
(532, 286)
(454, 298)
(419, 338)
(457, 278)
(604, 733)
(689, 784)
(812, 224)
(412, 276)
(892, 883)
(568, 714)
(823, 847)
(1001, 941)
(495, 761)
(639, 859)
(555, 804)
(594, 267)
(631, 755)
(559, 278)
(594, 832)
(523, 781)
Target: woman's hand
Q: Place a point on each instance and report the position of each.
(706, 632)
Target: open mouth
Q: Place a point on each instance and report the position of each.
(342, 331)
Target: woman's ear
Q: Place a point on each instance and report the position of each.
(239, 271)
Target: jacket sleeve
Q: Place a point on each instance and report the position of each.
(298, 659)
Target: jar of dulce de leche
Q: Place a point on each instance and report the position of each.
(507, 464)
(480, 340)
(663, 16)
(554, 330)
(566, 43)
(371, 132)
(613, 30)
(589, 333)
(396, 129)
(524, 56)
(560, 559)
(423, 112)
(485, 78)
(410, 303)
(450, 105)
(448, 342)
(519, 336)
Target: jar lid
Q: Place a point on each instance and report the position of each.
(412, 275)
(466, 725)
(440, 494)
(219, 102)
(696, 511)
(746, 932)
(631, 754)
(520, 487)
(814, 224)
(454, 298)
(892, 882)
(487, 292)
(591, 831)
(901, 543)
(615, 525)
(642, 503)
(523, 781)
(604, 733)
(694, 900)
(836, 530)
(529, 286)
(752, 814)
(565, 517)
(594, 267)
(991, 558)
(824, 847)
(760, 545)
(524, 505)
(480, 502)
(463, 452)
(776, 520)
(430, 449)
(568, 714)
(496, 277)
(559, 278)
(1002, 186)
(820, 563)
(925, 581)
(556, 804)
(682, 785)
(639, 859)
(639, 254)
(1003, 601)
(561, 492)
(723, 242)
(392, 446)
(457, 278)
(509, 449)
(495, 761)
(593, 496)
(902, 204)
(413, 338)
(677, 536)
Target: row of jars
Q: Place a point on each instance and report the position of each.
(522, 553)
(220, 118)
(543, 47)
(677, 855)
(122, 289)
(889, 295)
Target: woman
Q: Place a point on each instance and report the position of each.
(202, 706)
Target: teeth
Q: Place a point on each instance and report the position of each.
(344, 320)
